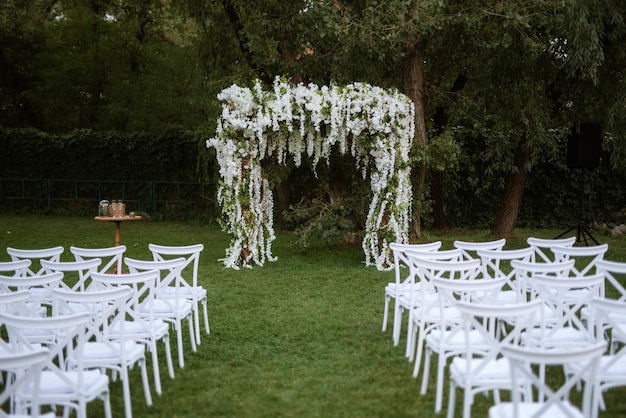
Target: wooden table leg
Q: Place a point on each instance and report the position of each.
(117, 233)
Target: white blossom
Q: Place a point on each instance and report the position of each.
(376, 126)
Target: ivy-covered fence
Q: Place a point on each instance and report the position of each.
(168, 174)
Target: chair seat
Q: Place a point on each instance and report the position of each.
(429, 314)
(138, 329)
(52, 384)
(416, 298)
(99, 351)
(560, 336)
(529, 409)
(161, 308)
(197, 292)
(616, 371)
(494, 370)
(434, 338)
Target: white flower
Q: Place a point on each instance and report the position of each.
(376, 126)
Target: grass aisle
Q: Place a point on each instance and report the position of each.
(297, 337)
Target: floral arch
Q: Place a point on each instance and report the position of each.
(374, 125)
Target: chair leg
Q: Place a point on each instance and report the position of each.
(179, 339)
(468, 399)
(425, 372)
(146, 383)
(397, 322)
(410, 338)
(206, 317)
(386, 313)
(196, 318)
(168, 356)
(192, 335)
(452, 399)
(128, 409)
(155, 368)
(106, 399)
(441, 365)
(418, 335)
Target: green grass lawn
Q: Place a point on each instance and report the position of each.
(298, 337)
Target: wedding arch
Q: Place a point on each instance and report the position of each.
(373, 124)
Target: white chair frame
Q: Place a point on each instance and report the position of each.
(191, 289)
(402, 286)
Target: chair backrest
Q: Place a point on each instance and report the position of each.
(543, 247)
(585, 258)
(15, 303)
(191, 254)
(170, 270)
(563, 300)
(140, 308)
(111, 257)
(485, 318)
(35, 255)
(497, 263)
(40, 286)
(427, 270)
(441, 255)
(430, 269)
(470, 248)
(525, 271)
(25, 368)
(170, 283)
(69, 339)
(615, 279)
(608, 317)
(107, 309)
(555, 399)
(80, 270)
(17, 268)
(400, 260)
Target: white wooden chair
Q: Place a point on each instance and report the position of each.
(142, 324)
(59, 385)
(422, 294)
(550, 401)
(25, 370)
(39, 288)
(564, 326)
(401, 287)
(612, 368)
(447, 337)
(170, 303)
(190, 289)
(106, 350)
(479, 371)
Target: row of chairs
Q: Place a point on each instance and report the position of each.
(122, 315)
(439, 283)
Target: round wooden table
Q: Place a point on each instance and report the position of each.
(118, 222)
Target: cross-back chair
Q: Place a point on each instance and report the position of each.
(190, 289)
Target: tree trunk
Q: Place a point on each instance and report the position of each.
(414, 88)
(513, 192)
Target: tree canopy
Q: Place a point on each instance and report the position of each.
(496, 85)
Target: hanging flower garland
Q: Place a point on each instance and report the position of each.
(372, 124)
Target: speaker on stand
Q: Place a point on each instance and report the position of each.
(584, 146)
